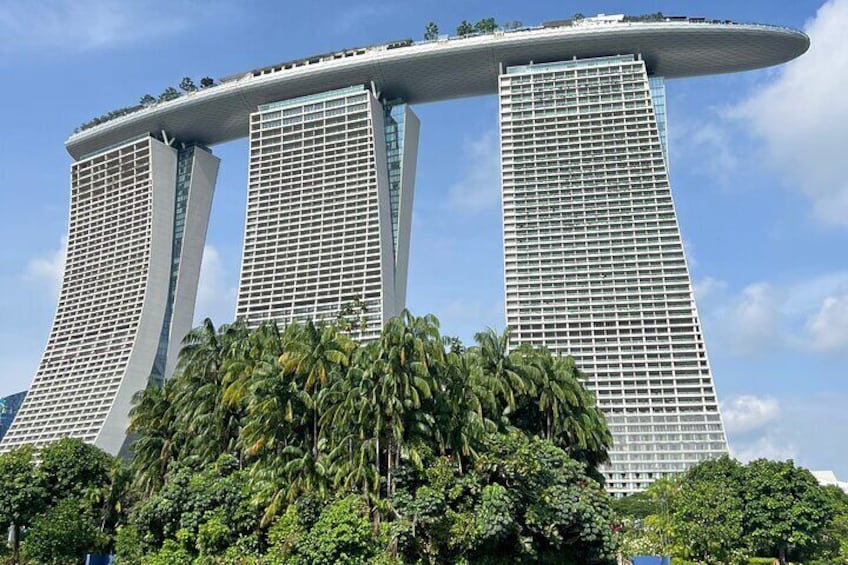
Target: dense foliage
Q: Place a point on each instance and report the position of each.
(724, 512)
(286, 425)
(298, 445)
(67, 506)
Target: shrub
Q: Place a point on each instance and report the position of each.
(214, 536)
(63, 534)
(284, 535)
(170, 554)
(342, 534)
(128, 549)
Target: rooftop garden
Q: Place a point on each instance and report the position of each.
(186, 85)
(431, 32)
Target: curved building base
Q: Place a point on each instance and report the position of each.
(127, 299)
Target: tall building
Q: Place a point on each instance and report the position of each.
(328, 209)
(137, 225)
(9, 406)
(593, 258)
(594, 265)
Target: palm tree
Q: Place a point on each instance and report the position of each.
(156, 442)
(211, 423)
(460, 419)
(554, 392)
(316, 354)
(581, 429)
(256, 355)
(409, 347)
(506, 373)
(360, 424)
(283, 425)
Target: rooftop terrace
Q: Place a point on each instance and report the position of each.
(451, 67)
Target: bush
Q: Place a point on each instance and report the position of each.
(342, 534)
(63, 534)
(284, 535)
(170, 554)
(128, 546)
(214, 536)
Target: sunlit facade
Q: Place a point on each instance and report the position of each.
(328, 210)
(594, 262)
(138, 221)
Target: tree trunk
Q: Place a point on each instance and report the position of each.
(379, 473)
(389, 489)
(16, 544)
(315, 434)
(397, 460)
(782, 555)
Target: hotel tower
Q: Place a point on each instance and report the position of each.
(593, 258)
(594, 262)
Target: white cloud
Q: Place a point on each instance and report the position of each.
(806, 315)
(749, 413)
(708, 148)
(216, 296)
(707, 287)
(47, 270)
(828, 328)
(689, 250)
(802, 116)
(752, 318)
(480, 187)
(82, 25)
(775, 448)
(808, 429)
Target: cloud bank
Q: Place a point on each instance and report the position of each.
(801, 116)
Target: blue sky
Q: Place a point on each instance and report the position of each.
(757, 170)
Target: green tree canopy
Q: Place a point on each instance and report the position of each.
(169, 93)
(63, 535)
(22, 494)
(708, 513)
(306, 413)
(72, 468)
(786, 511)
(486, 25)
(187, 85)
(721, 511)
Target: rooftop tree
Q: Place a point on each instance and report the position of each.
(187, 85)
(465, 28)
(486, 25)
(431, 31)
(169, 93)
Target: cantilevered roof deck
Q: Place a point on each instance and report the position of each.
(450, 68)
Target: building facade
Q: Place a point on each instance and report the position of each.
(594, 264)
(138, 221)
(9, 407)
(328, 210)
(593, 258)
